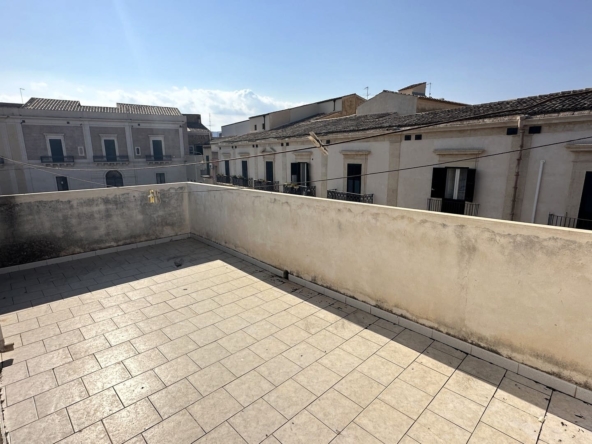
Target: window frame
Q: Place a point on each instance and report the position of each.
(157, 137)
(109, 137)
(55, 136)
(57, 183)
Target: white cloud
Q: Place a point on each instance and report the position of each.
(38, 86)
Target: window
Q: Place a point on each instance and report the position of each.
(354, 178)
(299, 173)
(456, 183)
(110, 149)
(407, 136)
(198, 150)
(287, 143)
(511, 131)
(269, 171)
(534, 130)
(282, 143)
(160, 178)
(263, 126)
(62, 183)
(207, 165)
(191, 150)
(81, 151)
(114, 179)
(157, 145)
(138, 151)
(453, 184)
(418, 137)
(255, 127)
(327, 142)
(55, 147)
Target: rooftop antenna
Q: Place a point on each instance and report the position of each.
(22, 101)
(210, 120)
(430, 90)
(366, 93)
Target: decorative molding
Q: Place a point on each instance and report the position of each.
(579, 147)
(354, 153)
(303, 156)
(458, 151)
(243, 154)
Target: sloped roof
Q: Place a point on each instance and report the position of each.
(412, 86)
(120, 108)
(555, 103)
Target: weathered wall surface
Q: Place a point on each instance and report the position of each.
(35, 227)
(520, 290)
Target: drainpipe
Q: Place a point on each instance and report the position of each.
(518, 162)
(536, 194)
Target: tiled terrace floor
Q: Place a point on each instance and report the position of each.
(131, 347)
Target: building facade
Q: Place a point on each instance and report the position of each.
(527, 159)
(49, 145)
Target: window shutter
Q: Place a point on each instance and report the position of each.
(438, 182)
(306, 174)
(295, 172)
(470, 191)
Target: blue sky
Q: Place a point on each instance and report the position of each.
(232, 59)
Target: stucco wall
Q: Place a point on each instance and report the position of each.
(34, 136)
(520, 290)
(34, 227)
(389, 102)
(97, 146)
(236, 129)
(172, 144)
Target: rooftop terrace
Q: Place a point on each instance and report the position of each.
(125, 329)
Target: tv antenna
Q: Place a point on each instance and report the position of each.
(366, 92)
(430, 90)
(22, 101)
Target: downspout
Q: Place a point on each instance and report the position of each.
(536, 194)
(518, 162)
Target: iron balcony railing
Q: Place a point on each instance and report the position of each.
(242, 182)
(299, 189)
(350, 197)
(453, 206)
(57, 159)
(163, 158)
(264, 185)
(220, 178)
(111, 159)
(569, 222)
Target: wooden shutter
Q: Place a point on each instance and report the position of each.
(470, 191)
(295, 172)
(438, 183)
(306, 173)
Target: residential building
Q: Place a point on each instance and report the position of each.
(63, 145)
(198, 136)
(475, 160)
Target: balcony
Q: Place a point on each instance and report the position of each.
(111, 160)
(165, 158)
(453, 206)
(57, 160)
(264, 185)
(205, 172)
(301, 190)
(242, 182)
(350, 197)
(221, 178)
(173, 322)
(569, 222)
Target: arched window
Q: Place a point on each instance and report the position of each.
(114, 179)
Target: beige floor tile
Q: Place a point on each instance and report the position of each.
(20, 414)
(523, 398)
(76, 369)
(224, 433)
(325, 341)
(257, 422)
(88, 347)
(176, 370)
(380, 370)
(557, 430)
(54, 317)
(359, 388)
(86, 308)
(214, 409)
(270, 440)
(229, 310)
(105, 378)
(14, 373)
(180, 428)
(457, 409)
(248, 388)
(289, 398)
(413, 340)
(115, 354)
(484, 434)
(63, 396)
(129, 318)
(528, 383)
(208, 355)
(471, 387)
(303, 354)
(144, 361)
(242, 362)
(48, 430)
(255, 315)
(398, 354)
(317, 378)
(406, 398)
(269, 348)
(334, 410)
(433, 429)
(211, 378)
(511, 421)
(93, 409)
(115, 300)
(204, 306)
(149, 341)
(161, 296)
(98, 328)
(174, 398)
(138, 304)
(354, 434)
(483, 370)
(232, 324)
(424, 378)
(384, 422)
(340, 361)
(137, 388)
(439, 361)
(283, 319)
(278, 370)
(181, 302)
(207, 335)
(95, 434)
(64, 304)
(344, 329)
(377, 334)
(179, 329)
(572, 410)
(312, 324)
(236, 341)
(131, 421)
(48, 361)
(39, 334)
(181, 346)
(123, 334)
(293, 335)
(21, 354)
(360, 347)
(153, 324)
(448, 350)
(27, 318)
(261, 330)
(63, 340)
(304, 429)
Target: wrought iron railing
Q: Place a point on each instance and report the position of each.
(569, 222)
(57, 159)
(111, 159)
(350, 197)
(220, 178)
(299, 189)
(453, 206)
(163, 158)
(264, 185)
(242, 182)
